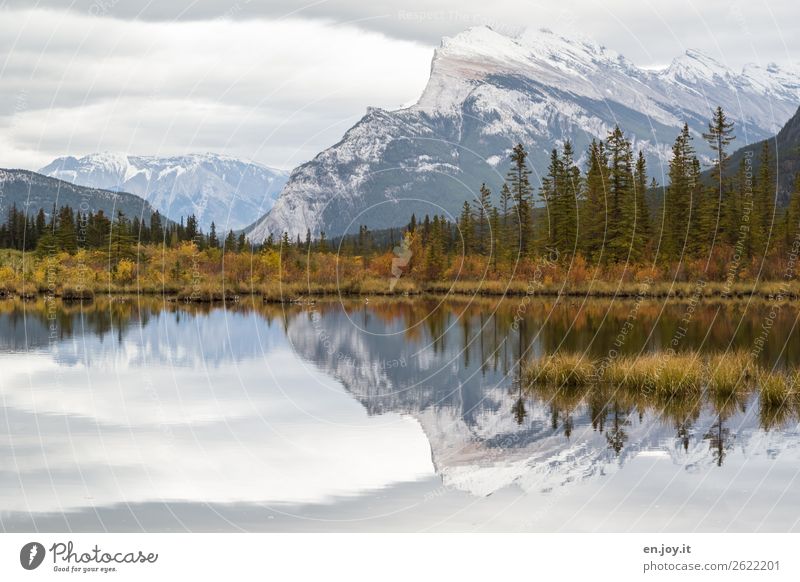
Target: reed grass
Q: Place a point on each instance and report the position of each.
(777, 389)
(724, 376)
(562, 370)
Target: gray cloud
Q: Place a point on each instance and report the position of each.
(278, 82)
(276, 92)
(648, 32)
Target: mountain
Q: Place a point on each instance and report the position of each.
(786, 146)
(222, 189)
(487, 92)
(32, 191)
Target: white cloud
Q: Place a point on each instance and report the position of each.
(276, 92)
(276, 83)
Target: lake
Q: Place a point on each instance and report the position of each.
(139, 414)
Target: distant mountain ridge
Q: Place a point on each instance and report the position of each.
(31, 191)
(215, 188)
(486, 93)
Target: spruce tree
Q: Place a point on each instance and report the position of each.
(483, 208)
(594, 219)
(505, 235)
(678, 196)
(230, 242)
(519, 184)
(466, 227)
(571, 194)
(622, 202)
(643, 227)
(764, 202)
(719, 137)
(213, 241)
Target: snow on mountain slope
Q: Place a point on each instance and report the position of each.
(222, 189)
(487, 92)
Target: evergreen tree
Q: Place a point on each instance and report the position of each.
(719, 137)
(121, 240)
(230, 242)
(494, 224)
(192, 231)
(764, 202)
(643, 227)
(506, 234)
(622, 199)
(156, 228)
(213, 241)
(434, 260)
(520, 187)
(483, 208)
(594, 221)
(466, 227)
(678, 196)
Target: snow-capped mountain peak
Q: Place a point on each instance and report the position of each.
(215, 188)
(694, 66)
(487, 92)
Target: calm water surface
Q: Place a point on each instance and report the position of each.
(136, 414)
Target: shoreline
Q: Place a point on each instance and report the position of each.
(293, 292)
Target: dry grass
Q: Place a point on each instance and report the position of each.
(777, 389)
(730, 373)
(660, 374)
(561, 369)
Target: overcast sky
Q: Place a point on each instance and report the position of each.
(276, 82)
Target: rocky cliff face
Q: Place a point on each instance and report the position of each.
(487, 92)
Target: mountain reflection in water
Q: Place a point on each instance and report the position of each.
(137, 400)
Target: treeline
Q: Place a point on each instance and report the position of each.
(67, 230)
(602, 213)
(608, 212)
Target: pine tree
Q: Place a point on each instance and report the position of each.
(483, 209)
(466, 226)
(764, 202)
(678, 196)
(241, 245)
(571, 195)
(41, 222)
(121, 241)
(230, 242)
(494, 225)
(505, 235)
(643, 227)
(622, 201)
(213, 241)
(595, 214)
(192, 229)
(549, 194)
(520, 187)
(719, 137)
(66, 237)
(434, 260)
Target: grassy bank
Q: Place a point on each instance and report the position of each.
(667, 375)
(188, 273)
